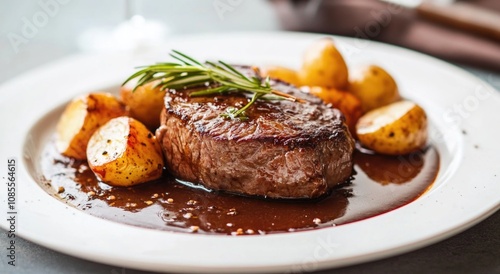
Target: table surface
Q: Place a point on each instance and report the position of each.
(477, 250)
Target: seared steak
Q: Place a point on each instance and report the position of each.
(284, 150)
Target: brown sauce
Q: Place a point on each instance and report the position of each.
(380, 184)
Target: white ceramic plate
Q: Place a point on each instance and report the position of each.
(464, 127)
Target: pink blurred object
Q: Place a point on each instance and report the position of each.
(462, 32)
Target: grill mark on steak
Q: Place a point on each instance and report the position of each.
(284, 150)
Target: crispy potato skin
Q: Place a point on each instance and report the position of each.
(396, 129)
(373, 86)
(347, 103)
(281, 73)
(145, 103)
(81, 118)
(123, 152)
(324, 66)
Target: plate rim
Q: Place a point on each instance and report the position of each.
(321, 263)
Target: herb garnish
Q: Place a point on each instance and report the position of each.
(191, 73)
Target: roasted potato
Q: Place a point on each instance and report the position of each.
(396, 129)
(123, 152)
(282, 73)
(373, 86)
(344, 101)
(81, 118)
(324, 66)
(145, 103)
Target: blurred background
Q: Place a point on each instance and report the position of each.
(38, 31)
(29, 40)
(466, 33)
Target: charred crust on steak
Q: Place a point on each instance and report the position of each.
(280, 122)
(283, 150)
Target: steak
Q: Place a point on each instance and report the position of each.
(283, 150)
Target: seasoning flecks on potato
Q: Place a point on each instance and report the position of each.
(373, 86)
(145, 103)
(81, 118)
(123, 152)
(323, 65)
(396, 129)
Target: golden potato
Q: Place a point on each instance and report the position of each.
(145, 103)
(323, 65)
(373, 86)
(396, 129)
(344, 101)
(81, 118)
(123, 152)
(282, 73)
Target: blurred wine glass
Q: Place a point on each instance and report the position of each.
(135, 33)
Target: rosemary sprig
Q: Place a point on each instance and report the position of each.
(192, 73)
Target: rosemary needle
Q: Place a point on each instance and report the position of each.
(189, 72)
